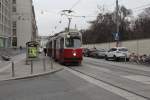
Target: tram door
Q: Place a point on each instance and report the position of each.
(54, 49)
(61, 49)
(50, 49)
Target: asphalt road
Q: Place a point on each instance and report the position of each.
(95, 79)
(117, 67)
(62, 85)
(132, 78)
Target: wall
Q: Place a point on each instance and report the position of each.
(5, 26)
(137, 46)
(24, 28)
(23, 17)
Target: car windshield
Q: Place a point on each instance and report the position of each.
(113, 49)
(123, 49)
(102, 50)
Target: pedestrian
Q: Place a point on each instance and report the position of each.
(20, 47)
(45, 51)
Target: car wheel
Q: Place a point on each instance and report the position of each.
(106, 58)
(127, 59)
(118, 59)
(115, 58)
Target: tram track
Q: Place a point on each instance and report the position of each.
(141, 97)
(115, 67)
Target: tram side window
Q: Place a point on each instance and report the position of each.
(50, 45)
(62, 43)
(57, 44)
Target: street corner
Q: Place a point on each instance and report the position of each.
(21, 69)
(37, 74)
(27, 76)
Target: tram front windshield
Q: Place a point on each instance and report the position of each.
(73, 42)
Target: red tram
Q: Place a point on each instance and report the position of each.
(65, 47)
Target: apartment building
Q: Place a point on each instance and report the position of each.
(24, 27)
(5, 23)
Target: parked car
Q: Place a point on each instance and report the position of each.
(98, 53)
(118, 53)
(85, 52)
(90, 52)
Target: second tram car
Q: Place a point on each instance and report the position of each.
(65, 47)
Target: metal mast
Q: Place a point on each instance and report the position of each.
(69, 23)
(117, 22)
(69, 18)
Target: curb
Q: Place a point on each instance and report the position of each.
(34, 75)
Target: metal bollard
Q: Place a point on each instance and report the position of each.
(31, 67)
(44, 65)
(125, 58)
(51, 63)
(13, 69)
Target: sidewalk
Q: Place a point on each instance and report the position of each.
(22, 70)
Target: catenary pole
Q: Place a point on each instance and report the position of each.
(117, 22)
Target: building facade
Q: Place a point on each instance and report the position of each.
(24, 28)
(43, 41)
(5, 23)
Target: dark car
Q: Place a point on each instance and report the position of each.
(98, 53)
(86, 52)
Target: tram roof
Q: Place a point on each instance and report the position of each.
(62, 33)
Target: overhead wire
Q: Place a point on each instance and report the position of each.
(76, 3)
(113, 4)
(141, 6)
(69, 11)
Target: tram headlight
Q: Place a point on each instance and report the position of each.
(74, 54)
(68, 36)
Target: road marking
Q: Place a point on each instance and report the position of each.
(16, 59)
(5, 68)
(139, 78)
(120, 92)
(98, 68)
(130, 66)
(19, 58)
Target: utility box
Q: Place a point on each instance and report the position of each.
(32, 50)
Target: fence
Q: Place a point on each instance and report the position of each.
(137, 46)
(32, 66)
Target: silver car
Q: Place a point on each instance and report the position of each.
(117, 53)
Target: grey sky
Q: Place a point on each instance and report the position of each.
(48, 12)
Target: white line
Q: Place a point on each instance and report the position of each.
(139, 78)
(120, 92)
(130, 66)
(5, 68)
(21, 57)
(98, 68)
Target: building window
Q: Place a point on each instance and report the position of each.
(1, 42)
(14, 28)
(14, 32)
(14, 41)
(14, 1)
(0, 6)
(14, 9)
(14, 24)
